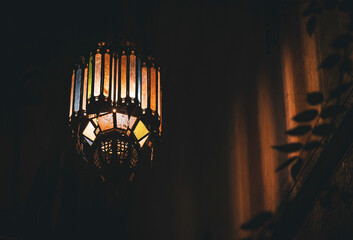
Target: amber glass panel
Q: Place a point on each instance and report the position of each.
(89, 132)
(97, 74)
(159, 94)
(113, 81)
(140, 130)
(117, 79)
(77, 90)
(90, 76)
(132, 89)
(106, 121)
(122, 121)
(72, 93)
(123, 76)
(153, 96)
(106, 74)
(144, 88)
(84, 94)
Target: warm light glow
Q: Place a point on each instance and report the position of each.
(72, 92)
(89, 132)
(106, 74)
(132, 77)
(122, 121)
(90, 76)
(153, 96)
(112, 97)
(144, 87)
(77, 90)
(97, 75)
(84, 97)
(117, 79)
(132, 121)
(139, 79)
(123, 76)
(106, 122)
(140, 130)
(142, 141)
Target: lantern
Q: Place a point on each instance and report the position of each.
(115, 107)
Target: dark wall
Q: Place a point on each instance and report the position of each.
(207, 50)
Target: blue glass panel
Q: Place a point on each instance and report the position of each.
(77, 90)
(139, 79)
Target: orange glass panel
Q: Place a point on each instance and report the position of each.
(117, 80)
(144, 87)
(113, 81)
(90, 76)
(153, 96)
(132, 89)
(106, 74)
(123, 76)
(159, 94)
(160, 115)
(106, 121)
(84, 97)
(97, 75)
(72, 92)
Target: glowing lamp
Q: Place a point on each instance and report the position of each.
(115, 107)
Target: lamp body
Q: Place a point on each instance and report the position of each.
(115, 108)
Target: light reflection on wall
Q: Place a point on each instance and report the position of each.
(267, 135)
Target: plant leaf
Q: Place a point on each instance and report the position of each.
(341, 89)
(290, 147)
(310, 25)
(257, 221)
(324, 129)
(330, 61)
(287, 163)
(312, 145)
(331, 111)
(342, 41)
(306, 116)
(314, 98)
(294, 171)
(300, 130)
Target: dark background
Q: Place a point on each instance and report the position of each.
(208, 52)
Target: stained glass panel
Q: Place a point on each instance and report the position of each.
(122, 121)
(77, 90)
(153, 97)
(97, 74)
(144, 88)
(106, 121)
(106, 74)
(117, 79)
(90, 76)
(113, 81)
(72, 92)
(140, 130)
(84, 94)
(89, 132)
(159, 94)
(132, 77)
(123, 76)
(139, 80)
(142, 141)
(132, 121)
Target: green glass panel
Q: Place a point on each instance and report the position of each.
(90, 69)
